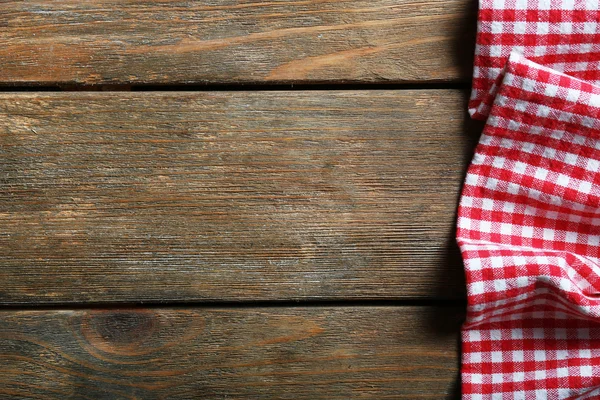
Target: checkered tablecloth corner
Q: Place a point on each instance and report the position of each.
(561, 34)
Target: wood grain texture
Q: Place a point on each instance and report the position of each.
(230, 195)
(287, 353)
(228, 41)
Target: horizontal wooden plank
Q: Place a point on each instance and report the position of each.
(230, 195)
(224, 41)
(287, 353)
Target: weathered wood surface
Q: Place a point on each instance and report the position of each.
(192, 353)
(223, 41)
(230, 195)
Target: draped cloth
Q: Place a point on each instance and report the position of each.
(529, 216)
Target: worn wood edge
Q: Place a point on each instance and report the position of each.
(191, 42)
(424, 260)
(181, 353)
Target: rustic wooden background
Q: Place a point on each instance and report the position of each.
(232, 199)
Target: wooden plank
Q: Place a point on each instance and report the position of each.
(230, 195)
(224, 41)
(191, 353)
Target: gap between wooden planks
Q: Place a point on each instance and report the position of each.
(299, 353)
(236, 42)
(127, 197)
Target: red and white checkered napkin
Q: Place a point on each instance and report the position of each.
(529, 232)
(561, 34)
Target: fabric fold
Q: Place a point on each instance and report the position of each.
(560, 34)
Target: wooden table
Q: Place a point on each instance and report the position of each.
(232, 199)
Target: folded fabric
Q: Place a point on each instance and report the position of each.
(529, 233)
(561, 34)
